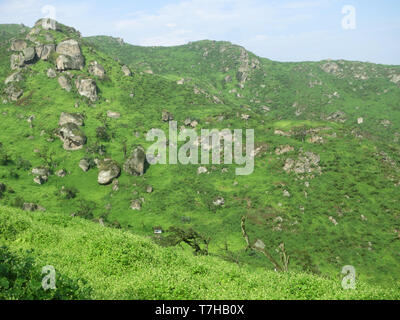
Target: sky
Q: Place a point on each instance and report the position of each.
(285, 30)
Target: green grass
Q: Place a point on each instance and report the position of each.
(106, 263)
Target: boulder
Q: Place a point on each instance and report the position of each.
(135, 164)
(84, 165)
(41, 171)
(113, 115)
(219, 202)
(97, 70)
(87, 88)
(15, 77)
(13, 93)
(18, 45)
(108, 171)
(75, 118)
(71, 57)
(16, 61)
(136, 205)
(126, 71)
(51, 73)
(64, 83)
(72, 136)
(44, 51)
(29, 207)
(166, 116)
(61, 173)
(29, 54)
(70, 63)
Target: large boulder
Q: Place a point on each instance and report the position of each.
(29, 55)
(87, 88)
(18, 45)
(64, 83)
(97, 70)
(135, 164)
(44, 51)
(71, 57)
(75, 118)
(72, 136)
(84, 164)
(108, 171)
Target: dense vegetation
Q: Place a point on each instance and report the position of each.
(344, 211)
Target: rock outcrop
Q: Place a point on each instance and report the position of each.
(44, 52)
(135, 164)
(75, 118)
(15, 77)
(18, 45)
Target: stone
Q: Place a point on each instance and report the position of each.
(166, 116)
(51, 73)
(13, 93)
(61, 173)
(202, 170)
(29, 207)
(64, 62)
(283, 149)
(149, 189)
(69, 48)
(115, 185)
(135, 164)
(108, 171)
(87, 88)
(113, 115)
(84, 165)
(29, 54)
(126, 71)
(72, 136)
(97, 70)
(18, 45)
(16, 61)
(219, 202)
(44, 52)
(48, 24)
(40, 180)
(136, 205)
(360, 120)
(15, 77)
(75, 118)
(40, 171)
(64, 83)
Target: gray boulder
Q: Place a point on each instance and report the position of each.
(108, 171)
(84, 165)
(29, 207)
(16, 61)
(41, 171)
(64, 83)
(135, 164)
(97, 70)
(126, 71)
(13, 93)
(29, 55)
(44, 51)
(75, 118)
(18, 45)
(166, 116)
(71, 57)
(15, 77)
(72, 137)
(113, 115)
(87, 88)
(51, 73)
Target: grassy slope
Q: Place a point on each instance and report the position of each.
(118, 265)
(355, 181)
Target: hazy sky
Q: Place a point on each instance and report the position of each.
(280, 30)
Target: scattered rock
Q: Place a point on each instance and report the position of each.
(108, 171)
(87, 88)
(72, 136)
(126, 71)
(219, 202)
(51, 73)
(306, 163)
(97, 70)
(360, 120)
(64, 83)
(333, 220)
(40, 180)
(13, 92)
(202, 170)
(15, 77)
(166, 116)
(61, 173)
(149, 189)
(113, 115)
(135, 164)
(75, 118)
(84, 165)
(29, 207)
(338, 116)
(115, 186)
(136, 205)
(284, 149)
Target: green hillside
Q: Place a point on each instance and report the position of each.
(326, 179)
(93, 262)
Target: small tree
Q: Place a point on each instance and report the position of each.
(190, 237)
